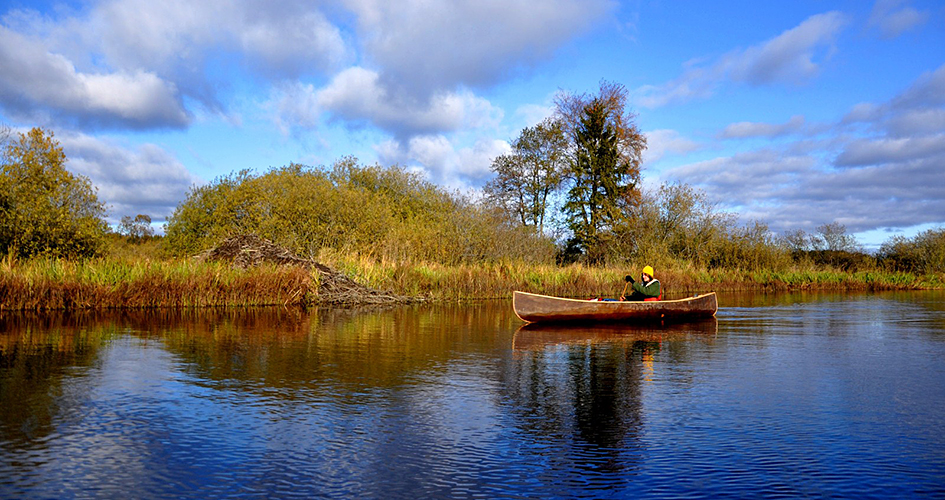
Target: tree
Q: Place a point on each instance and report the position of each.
(603, 183)
(349, 209)
(833, 237)
(924, 253)
(6, 136)
(604, 221)
(570, 110)
(796, 241)
(526, 177)
(45, 209)
(136, 229)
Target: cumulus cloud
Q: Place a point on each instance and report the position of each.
(143, 64)
(282, 38)
(662, 142)
(35, 79)
(144, 180)
(866, 178)
(892, 18)
(917, 111)
(787, 58)
(135, 63)
(800, 192)
(356, 97)
(873, 151)
(422, 48)
(444, 161)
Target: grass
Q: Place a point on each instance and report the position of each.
(49, 284)
(497, 280)
(124, 282)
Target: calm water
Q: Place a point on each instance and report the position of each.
(781, 396)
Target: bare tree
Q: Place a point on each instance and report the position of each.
(136, 229)
(527, 177)
(833, 237)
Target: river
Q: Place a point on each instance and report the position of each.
(786, 395)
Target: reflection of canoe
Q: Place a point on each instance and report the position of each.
(533, 308)
(540, 335)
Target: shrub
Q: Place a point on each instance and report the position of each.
(44, 209)
(381, 213)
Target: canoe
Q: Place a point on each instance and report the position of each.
(533, 308)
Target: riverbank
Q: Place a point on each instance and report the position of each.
(127, 283)
(499, 279)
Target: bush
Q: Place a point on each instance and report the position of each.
(677, 223)
(925, 253)
(44, 209)
(380, 213)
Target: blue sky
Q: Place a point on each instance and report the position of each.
(795, 114)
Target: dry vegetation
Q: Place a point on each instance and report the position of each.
(368, 234)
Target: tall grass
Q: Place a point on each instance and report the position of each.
(44, 284)
(679, 278)
(113, 282)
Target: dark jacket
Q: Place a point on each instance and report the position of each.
(642, 292)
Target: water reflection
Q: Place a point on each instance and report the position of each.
(584, 385)
(542, 335)
(463, 400)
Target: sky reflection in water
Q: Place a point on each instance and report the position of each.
(822, 395)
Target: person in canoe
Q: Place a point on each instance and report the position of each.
(649, 288)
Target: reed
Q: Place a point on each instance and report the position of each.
(497, 280)
(128, 283)
(50, 284)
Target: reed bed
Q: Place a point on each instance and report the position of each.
(110, 283)
(52, 284)
(498, 280)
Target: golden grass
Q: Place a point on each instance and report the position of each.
(44, 284)
(129, 283)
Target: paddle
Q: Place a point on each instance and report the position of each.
(628, 279)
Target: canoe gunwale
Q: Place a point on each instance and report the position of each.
(532, 307)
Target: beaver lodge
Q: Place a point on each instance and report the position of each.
(334, 287)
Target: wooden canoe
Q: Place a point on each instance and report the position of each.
(532, 307)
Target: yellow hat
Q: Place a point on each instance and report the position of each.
(648, 270)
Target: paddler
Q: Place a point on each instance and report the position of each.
(648, 288)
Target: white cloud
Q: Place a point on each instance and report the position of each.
(662, 142)
(134, 63)
(927, 90)
(34, 78)
(876, 151)
(145, 180)
(917, 111)
(533, 114)
(284, 38)
(357, 95)
(443, 161)
(800, 192)
(743, 130)
(892, 19)
(423, 47)
(867, 179)
(294, 106)
(787, 58)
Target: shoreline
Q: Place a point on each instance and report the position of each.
(109, 284)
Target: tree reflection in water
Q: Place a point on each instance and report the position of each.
(582, 387)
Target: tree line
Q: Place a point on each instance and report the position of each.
(568, 191)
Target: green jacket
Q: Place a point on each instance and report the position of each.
(641, 291)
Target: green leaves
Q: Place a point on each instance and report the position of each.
(45, 209)
(379, 213)
(601, 182)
